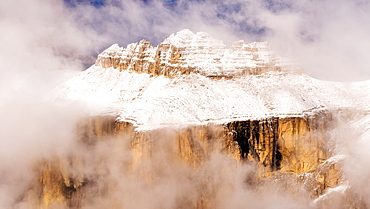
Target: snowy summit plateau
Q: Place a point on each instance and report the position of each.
(192, 78)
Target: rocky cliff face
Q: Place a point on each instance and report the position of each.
(203, 123)
(282, 148)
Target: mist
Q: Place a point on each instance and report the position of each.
(43, 43)
(153, 175)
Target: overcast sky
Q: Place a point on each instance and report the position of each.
(329, 38)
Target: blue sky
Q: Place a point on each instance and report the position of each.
(99, 3)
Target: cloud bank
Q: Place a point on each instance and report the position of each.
(328, 38)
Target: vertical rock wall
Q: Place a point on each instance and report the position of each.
(294, 146)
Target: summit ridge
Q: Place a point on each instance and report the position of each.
(186, 52)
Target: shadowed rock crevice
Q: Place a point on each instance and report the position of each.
(258, 140)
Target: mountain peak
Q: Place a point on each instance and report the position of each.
(184, 33)
(186, 38)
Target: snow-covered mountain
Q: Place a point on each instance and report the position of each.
(191, 78)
